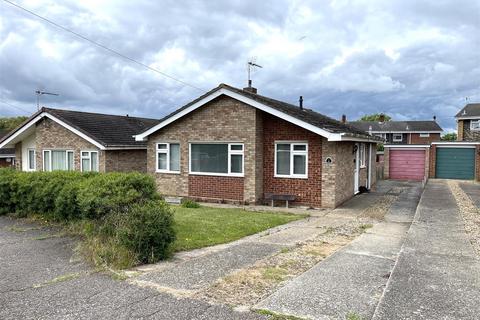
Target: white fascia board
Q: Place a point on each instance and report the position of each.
(468, 118)
(3, 156)
(143, 136)
(406, 146)
(456, 143)
(405, 131)
(45, 114)
(343, 137)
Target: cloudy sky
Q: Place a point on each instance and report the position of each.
(410, 59)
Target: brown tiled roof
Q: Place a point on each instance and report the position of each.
(470, 110)
(396, 126)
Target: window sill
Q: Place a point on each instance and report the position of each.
(363, 166)
(167, 171)
(240, 175)
(290, 176)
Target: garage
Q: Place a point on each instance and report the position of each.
(407, 164)
(455, 163)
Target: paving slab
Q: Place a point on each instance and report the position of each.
(437, 275)
(203, 271)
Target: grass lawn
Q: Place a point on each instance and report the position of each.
(206, 226)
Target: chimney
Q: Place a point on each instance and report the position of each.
(300, 102)
(250, 88)
(434, 118)
(381, 118)
(344, 118)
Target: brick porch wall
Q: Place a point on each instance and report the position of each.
(126, 160)
(432, 161)
(460, 124)
(308, 191)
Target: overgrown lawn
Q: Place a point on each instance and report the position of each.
(207, 226)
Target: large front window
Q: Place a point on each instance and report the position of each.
(57, 160)
(291, 160)
(216, 158)
(89, 161)
(168, 157)
(475, 125)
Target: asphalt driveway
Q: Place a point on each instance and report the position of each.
(41, 278)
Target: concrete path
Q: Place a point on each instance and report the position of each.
(40, 278)
(437, 275)
(352, 280)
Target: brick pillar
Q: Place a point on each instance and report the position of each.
(460, 130)
(433, 155)
(477, 163)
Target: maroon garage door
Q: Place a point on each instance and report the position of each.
(407, 164)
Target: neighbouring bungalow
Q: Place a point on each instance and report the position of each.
(237, 146)
(53, 139)
(7, 155)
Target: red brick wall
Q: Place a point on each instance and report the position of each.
(216, 187)
(433, 155)
(308, 191)
(416, 139)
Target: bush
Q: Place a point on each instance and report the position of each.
(112, 192)
(187, 203)
(7, 177)
(146, 229)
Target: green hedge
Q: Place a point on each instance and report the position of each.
(124, 207)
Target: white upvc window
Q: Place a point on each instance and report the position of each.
(168, 157)
(31, 160)
(424, 135)
(89, 161)
(58, 160)
(475, 125)
(291, 160)
(397, 137)
(362, 155)
(219, 159)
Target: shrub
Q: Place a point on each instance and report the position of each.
(7, 205)
(112, 192)
(187, 203)
(146, 229)
(66, 203)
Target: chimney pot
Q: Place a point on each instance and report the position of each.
(300, 101)
(434, 118)
(344, 118)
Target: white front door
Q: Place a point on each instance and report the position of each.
(356, 175)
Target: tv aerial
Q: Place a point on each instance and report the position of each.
(41, 93)
(251, 67)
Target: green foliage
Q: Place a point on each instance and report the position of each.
(147, 230)
(7, 177)
(452, 136)
(187, 203)
(375, 117)
(106, 193)
(8, 124)
(380, 147)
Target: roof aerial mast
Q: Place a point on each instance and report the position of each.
(251, 65)
(41, 93)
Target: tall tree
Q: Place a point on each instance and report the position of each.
(10, 123)
(375, 117)
(452, 136)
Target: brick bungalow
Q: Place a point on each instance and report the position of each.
(53, 139)
(7, 156)
(236, 145)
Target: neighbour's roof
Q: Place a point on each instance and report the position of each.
(305, 115)
(108, 130)
(397, 126)
(470, 110)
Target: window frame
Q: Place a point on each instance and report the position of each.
(67, 151)
(293, 152)
(477, 122)
(229, 160)
(363, 155)
(167, 152)
(424, 134)
(34, 160)
(90, 158)
(397, 134)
